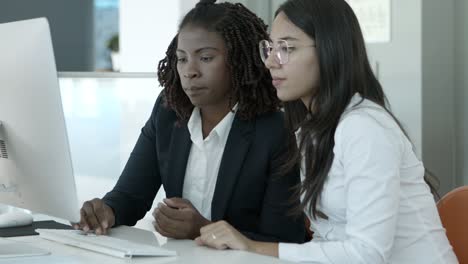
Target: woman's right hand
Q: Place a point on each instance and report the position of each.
(95, 215)
(221, 235)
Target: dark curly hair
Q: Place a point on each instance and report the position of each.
(241, 31)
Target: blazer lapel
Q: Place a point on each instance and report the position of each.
(235, 151)
(178, 158)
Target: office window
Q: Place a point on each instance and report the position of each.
(106, 27)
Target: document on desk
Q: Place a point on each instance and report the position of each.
(113, 244)
(13, 249)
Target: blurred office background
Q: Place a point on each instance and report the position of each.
(422, 63)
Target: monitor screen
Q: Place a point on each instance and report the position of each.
(35, 163)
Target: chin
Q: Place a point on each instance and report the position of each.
(284, 97)
(195, 100)
(197, 103)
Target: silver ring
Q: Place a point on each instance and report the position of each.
(213, 236)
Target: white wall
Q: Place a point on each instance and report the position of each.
(274, 5)
(461, 91)
(261, 8)
(148, 26)
(146, 29)
(400, 67)
(186, 5)
(439, 91)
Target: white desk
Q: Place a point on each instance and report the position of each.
(187, 250)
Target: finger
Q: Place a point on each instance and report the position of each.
(110, 218)
(75, 225)
(104, 216)
(169, 225)
(90, 217)
(217, 235)
(208, 238)
(178, 202)
(209, 228)
(171, 213)
(83, 224)
(230, 238)
(199, 241)
(214, 240)
(100, 214)
(186, 228)
(161, 231)
(221, 246)
(222, 239)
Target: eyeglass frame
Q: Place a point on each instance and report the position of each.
(274, 46)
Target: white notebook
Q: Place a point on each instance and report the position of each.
(112, 244)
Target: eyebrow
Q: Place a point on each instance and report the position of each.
(289, 38)
(200, 49)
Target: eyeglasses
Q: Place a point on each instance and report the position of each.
(281, 50)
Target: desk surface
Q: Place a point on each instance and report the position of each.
(187, 250)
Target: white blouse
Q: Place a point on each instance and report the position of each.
(379, 208)
(204, 161)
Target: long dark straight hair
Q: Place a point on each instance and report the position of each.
(344, 71)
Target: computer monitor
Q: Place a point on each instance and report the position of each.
(35, 163)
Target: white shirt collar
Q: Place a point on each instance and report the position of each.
(221, 129)
(354, 100)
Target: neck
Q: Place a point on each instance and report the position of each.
(309, 100)
(309, 104)
(212, 115)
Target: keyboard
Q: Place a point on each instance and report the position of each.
(103, 244)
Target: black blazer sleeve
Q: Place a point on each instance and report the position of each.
(140, 180)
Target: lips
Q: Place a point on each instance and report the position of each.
(194, 90)
(277, 81)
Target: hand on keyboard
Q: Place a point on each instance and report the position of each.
(97, 216)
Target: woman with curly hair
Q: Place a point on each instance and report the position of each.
(215, 141)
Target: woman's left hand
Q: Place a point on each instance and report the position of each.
(221, 235)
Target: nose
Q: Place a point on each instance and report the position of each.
(191, 75)
(271, 62)
(191, 70)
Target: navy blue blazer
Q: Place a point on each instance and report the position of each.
(248, 193)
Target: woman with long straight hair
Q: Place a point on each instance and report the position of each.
(363, 187)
